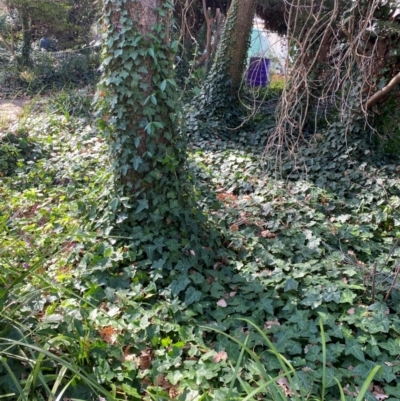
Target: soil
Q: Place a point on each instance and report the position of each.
(10, 109)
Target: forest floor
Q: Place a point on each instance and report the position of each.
(10, 110)
(311, 259)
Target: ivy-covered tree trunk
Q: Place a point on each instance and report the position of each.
(236, 35)
(217, 104)
(151, 199)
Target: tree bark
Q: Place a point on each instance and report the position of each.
(231, 54)
(150, 198)
(26, 40)
(383, 94)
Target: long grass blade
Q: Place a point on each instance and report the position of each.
(91, 383)
(367, 382)
(323, 341)
(237, 368)
(342, 396)
(13, 378)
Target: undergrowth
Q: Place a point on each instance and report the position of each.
(318, 245)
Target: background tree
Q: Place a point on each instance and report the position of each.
(67, 21)
(217, 102)
(34, 19)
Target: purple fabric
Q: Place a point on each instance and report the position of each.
(258, 71)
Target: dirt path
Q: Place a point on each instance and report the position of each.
(10, 109)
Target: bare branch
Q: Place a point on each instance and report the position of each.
(383, 93)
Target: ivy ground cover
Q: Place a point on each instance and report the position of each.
(319, 243)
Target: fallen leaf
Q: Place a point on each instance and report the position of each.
(268, 234)
(173, 392)
(351, 311)
(108, 334)
(220, 356)
(145, 359)
(222, 303)
(379, 393)
(234, 227)
(284, 383)
(268, 324)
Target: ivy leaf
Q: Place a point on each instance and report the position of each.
(392, 345)
(114, 204)
(378, 323)
(354, 348)
(163, 85)
(143, 204)
(192, 295)
(266, 304)
(291, 284)
(137, 161)
(174, 377)
(179, 285)
(347, 296)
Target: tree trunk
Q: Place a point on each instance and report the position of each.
(26, 40)
(152, 199)
(238, 32)
(217, 105)
(231, 55)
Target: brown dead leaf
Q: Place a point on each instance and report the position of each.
(224, 196)
(173, 392)
(108, 334)
(268, 234)
(127, 357)
(145, 359)
(220, 356)
(163, 382)
(351, 311)
(284, 383)
(234, 227)
(378, 393)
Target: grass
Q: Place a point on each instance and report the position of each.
(292, 307)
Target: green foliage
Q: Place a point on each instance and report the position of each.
(15, 149)
(49, 71)
(297, 252)
(289, 384)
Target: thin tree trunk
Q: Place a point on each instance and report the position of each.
(239, 33)
(26, 40)
(235, 37)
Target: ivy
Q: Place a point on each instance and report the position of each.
(151, 200)
(216, 108)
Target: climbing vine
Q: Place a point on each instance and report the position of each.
(217, 106)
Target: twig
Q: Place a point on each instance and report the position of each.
(393, 283)
(373, 282)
